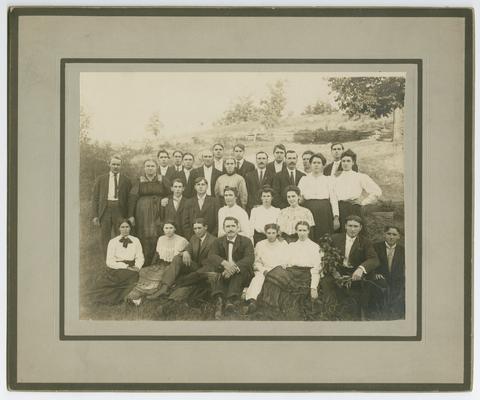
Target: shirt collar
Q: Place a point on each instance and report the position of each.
(231, 240)
(201, 197)
(111, 173)
(209, 168)
(390, 247)
(177, 198)
(350, 238)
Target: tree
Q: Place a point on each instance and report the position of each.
(271, 108)
(242, 110)
(373, 96)
(154, 125)
(320, 107)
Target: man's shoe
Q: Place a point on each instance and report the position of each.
(252, 307)
(219, 309)
(229, 308)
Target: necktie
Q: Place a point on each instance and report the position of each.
(292, 178)
(238, 164)
(261, 176)
(115, 174)
(390, 252)
(200, 202)
(125, 241)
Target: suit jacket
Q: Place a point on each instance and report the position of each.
(209, 212)
(361, 253)
(396, 277)
(100, 195)
(327, 171)
(254, 185)
(179, 216)
(271, 167)
(201, 252)
(246, 167)
(280, 182)
(198, 172)
(188, 183)
(242, 254)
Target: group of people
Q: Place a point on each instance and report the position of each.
(242, 230)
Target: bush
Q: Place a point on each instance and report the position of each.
(321, 136)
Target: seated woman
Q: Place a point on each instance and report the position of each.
(269, 253)
(263, 214)
(124, 260)
(168, 246)
(289, 288)
(290, 216)
(232, 209)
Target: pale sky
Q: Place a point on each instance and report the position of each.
(121, 103)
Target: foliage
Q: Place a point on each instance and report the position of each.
(319, 136)
(373, 96)
(154, 125)
(242, 110)
(319, 108)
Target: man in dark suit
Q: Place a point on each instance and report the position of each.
(190, 264)
(167, 171)
(360, 262)
(243, 167)
(257, 179)
(207, 171)
(392, 269)
(232, 259)
(218, 149)
(175, 209)
(185, 175)
(335, 167)
(110, 202)
(288, 177)
(278, 164)
(203, 206)
(177, 161)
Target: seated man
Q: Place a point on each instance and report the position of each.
(360, 260)
(392, 269)
(232, 258)
(190, 260)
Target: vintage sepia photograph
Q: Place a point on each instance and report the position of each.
(242, 196)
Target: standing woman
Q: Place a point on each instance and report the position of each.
(263, 215)
(145, 206)
(168, 246)
(290, 286)
(319, 197)
(290, 216)
(124, 260)
(232, 209)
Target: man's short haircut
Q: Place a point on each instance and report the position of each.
(177, 151)
(201, 221)
(218, 144)
(188, 154)
(164, 152)
(201, 179)
(320, 156)
(336, 144)
(292, 151)
(230, 189)
(388, 227)
(230, 219)
(279, 146)
(309, 152)
(354, 218)
(116, 157)
(351, 154)
(292, 188)
(177, 180)
(240, 146)
(302, 223)
(261, 152)
(271, 226)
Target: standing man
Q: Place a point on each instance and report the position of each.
(175, 209)
(110, 202)
(232, 258)
(278, 164)
(242, 166)
(288, 177)
(207, 171)
(186, 175)
(231, 179)
(306, 161)
(203, 206)
(257, 179)
(392, 269)
(177, 161)
(335, 167)
(164, 169)
(218, 150)
(360, 261)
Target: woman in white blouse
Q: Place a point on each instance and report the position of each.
(319, 197)
(232, 209)
(263, 214)
(350, 187)
(288, 288)
(168, 246)
(269, 253)
(124, 260)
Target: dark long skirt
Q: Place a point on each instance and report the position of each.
(322, 215)
(287, 290)
(346, 209)
(149, 280)
(113, 286)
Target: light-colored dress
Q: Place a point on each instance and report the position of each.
(240, 214)
(288, 218)
(261, 216)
